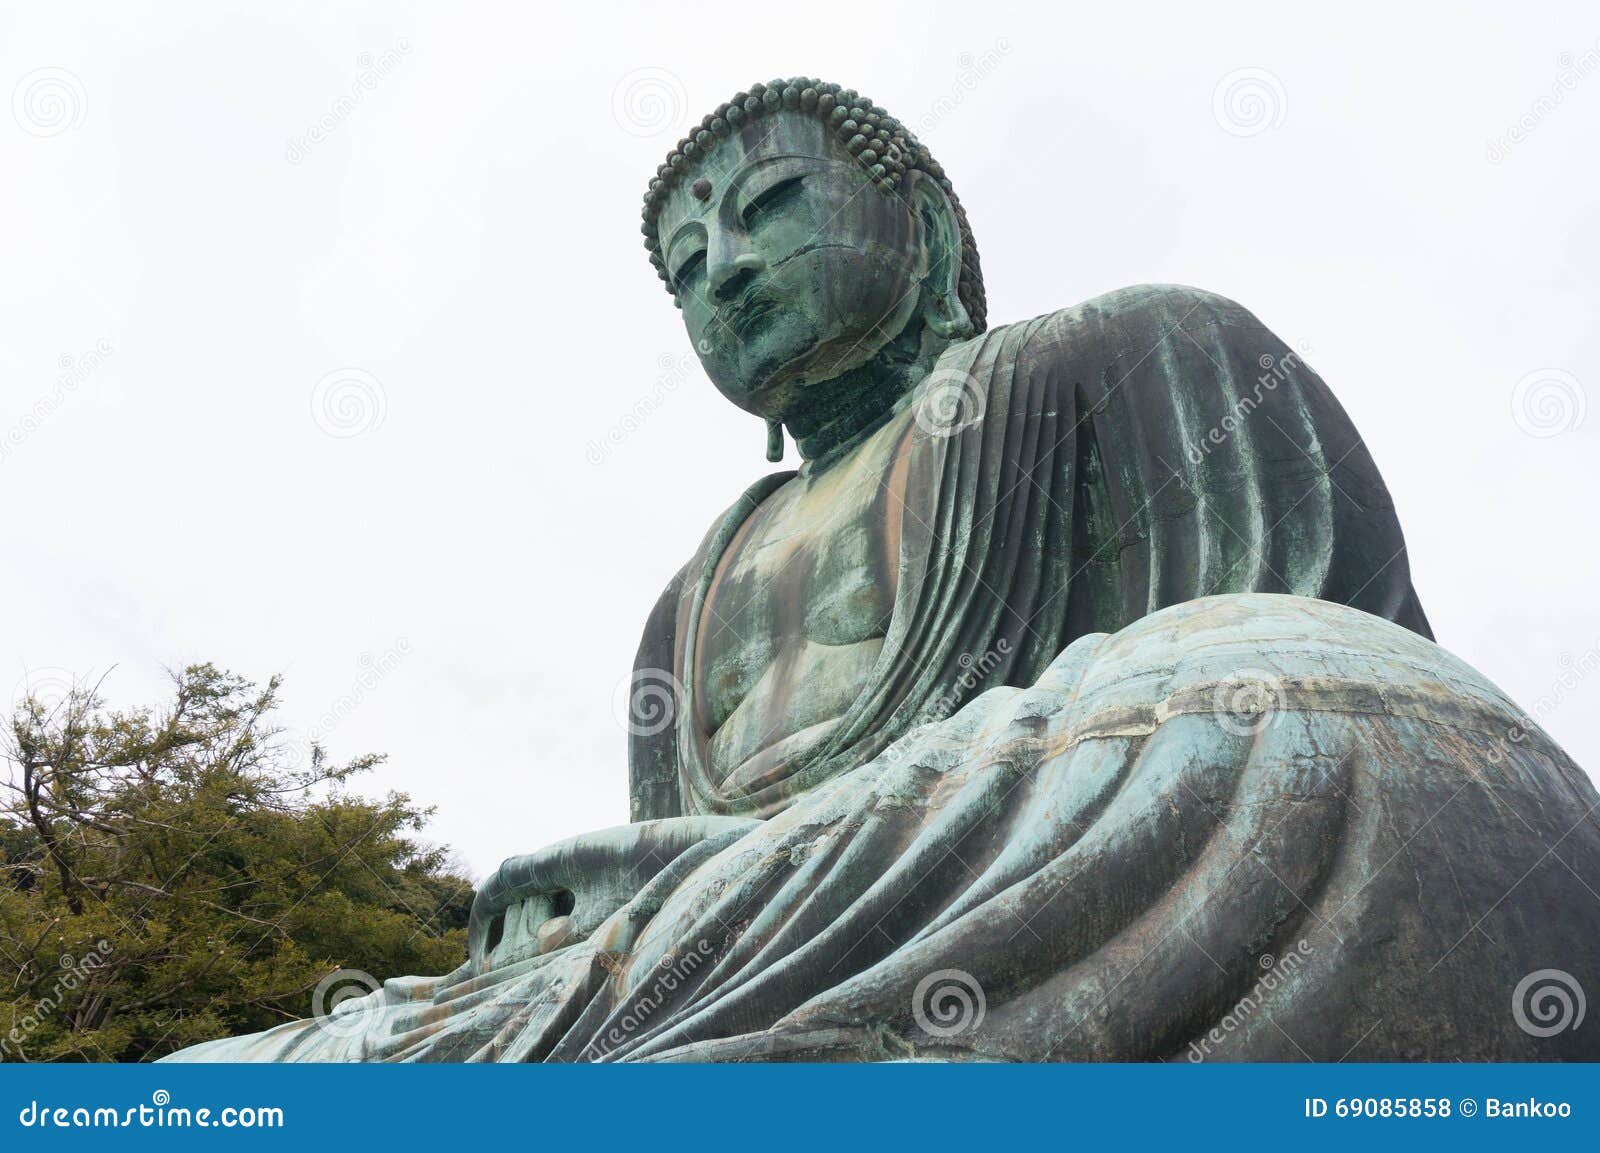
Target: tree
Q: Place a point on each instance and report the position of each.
(172, 875)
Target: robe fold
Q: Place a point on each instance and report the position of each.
(1159, 761)
(1143, 449)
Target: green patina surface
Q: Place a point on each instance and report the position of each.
(1077, 670)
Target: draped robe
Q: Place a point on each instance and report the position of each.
(1143, 449)
(1158, 761)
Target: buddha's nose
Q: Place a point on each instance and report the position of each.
(728, 277)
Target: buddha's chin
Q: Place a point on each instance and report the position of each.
(781, 375)
(771, 364)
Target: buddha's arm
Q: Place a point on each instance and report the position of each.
(559, 895)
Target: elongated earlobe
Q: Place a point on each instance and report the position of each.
(774, 440)
(947, 317)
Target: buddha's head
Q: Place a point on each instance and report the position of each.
(806, 234)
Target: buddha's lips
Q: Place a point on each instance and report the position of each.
(744, 312)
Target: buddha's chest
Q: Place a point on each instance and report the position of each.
(798, 608)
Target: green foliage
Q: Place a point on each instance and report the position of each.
(170, 876)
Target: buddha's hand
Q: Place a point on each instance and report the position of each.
(559, 895)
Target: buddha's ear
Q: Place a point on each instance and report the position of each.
(941, 240)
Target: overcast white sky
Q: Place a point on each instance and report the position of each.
(458, 244)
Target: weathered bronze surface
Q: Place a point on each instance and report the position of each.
(1070, 701)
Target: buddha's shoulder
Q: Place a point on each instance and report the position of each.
(1137, 317)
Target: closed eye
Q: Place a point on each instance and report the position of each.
(688, 268)
(770, 198)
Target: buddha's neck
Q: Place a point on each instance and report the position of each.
(842, 412)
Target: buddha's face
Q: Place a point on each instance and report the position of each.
(791, 267)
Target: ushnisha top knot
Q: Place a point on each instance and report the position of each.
(884, 147)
